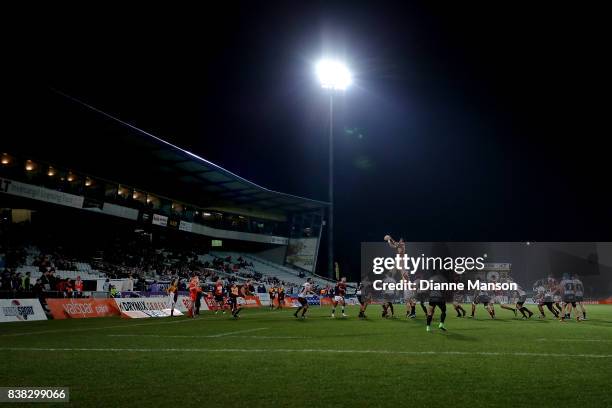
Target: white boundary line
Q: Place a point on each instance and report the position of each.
(311, 351)
(577, 340)
(128, 325)
(205, 336)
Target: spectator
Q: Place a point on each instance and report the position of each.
(130, 283)
(25, 282)
(78, 286)
(106, 286)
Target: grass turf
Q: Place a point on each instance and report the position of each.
(271, 359)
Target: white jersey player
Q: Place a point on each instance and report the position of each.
(305, 290)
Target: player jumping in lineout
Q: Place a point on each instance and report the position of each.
(400, 247)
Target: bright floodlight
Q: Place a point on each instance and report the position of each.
(333, 75)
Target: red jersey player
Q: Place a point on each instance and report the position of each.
(339, 293)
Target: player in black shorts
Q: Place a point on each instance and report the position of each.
(520, 302)
(482, 297)
(234, 292)
(436, 299)
(363, 301)
(280, 296)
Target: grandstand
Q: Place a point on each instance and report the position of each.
(132, 204)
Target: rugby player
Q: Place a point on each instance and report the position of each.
(194, 285)
(219, 297)
(280, 296)
(388, 297)
(482, 297)
(306, 290)
(421, 296)
(555, 290)
(363, 300)
(173, 293)
(436, 299)
(339, 293)
(234, 293)
(568, 291)
(400, 248)
(457, 301)
(409, 297)
(520, 301)
(271, 293)
(580, 295)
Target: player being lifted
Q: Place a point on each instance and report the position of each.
(436, 299)
(306, 290)
(339, 293)
(580, 295)
(400, 248)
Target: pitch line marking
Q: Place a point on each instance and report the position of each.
(577, 340)
(201, 318)
(205, 336)
(230, 350)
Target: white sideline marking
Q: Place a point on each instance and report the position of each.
(238, 332)
(578, 340)
(204, 336)
(198, 319)
(97, 328)
(313, 351)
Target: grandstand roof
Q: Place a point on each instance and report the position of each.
(111, 148)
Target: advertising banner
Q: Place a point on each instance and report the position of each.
(40, 193)
(264, 299)
(184, 303)
(136, 308)
(21, 310)
(160, 220)
(186, 226)
(250, 301)
(82, 308)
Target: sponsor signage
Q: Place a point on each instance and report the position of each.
(82, 308)
(264, 299)
(186, 226)
(40, 193)
(21, 310)
(160, 220)
(249, 301)
(137, 308)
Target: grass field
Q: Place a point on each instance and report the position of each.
(271, 359)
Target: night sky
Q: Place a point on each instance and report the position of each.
(467, 121)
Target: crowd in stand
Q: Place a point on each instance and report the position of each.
(124, 256)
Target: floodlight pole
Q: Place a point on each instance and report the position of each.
(330, 227)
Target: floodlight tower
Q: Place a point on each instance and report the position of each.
(334, 76)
